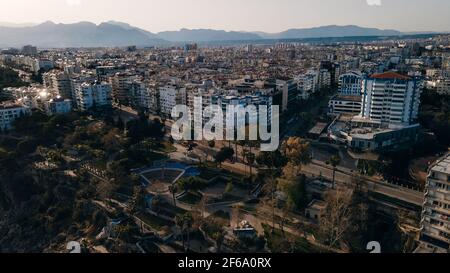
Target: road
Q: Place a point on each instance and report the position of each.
(345, 176)
(324, 151)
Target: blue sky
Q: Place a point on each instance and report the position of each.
(245, 15)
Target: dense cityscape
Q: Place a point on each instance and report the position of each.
(88, 157)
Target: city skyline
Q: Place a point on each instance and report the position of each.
(233, 15)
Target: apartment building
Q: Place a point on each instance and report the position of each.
(120, 91)
(29, 50)
(435, 224)
(391, 99)
(9, 112)
(58, 106)
(169, 97)
(89, 95)
(289, 92)
(139, 94)
(350, 84)
(325, 79)
(307, 84)
(440, 85)
(58, 84)
(257, 98)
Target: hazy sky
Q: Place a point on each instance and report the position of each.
(248, 15)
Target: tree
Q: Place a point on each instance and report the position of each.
(111, 140)
(250, 159)
(138, 201)
(229, 188)
(191, 184)
(273, 161)
(223, 155)
(335, 160)
(120, 124)
(295, 191)
(184, 222)
(219, 237)
(211, 144)
(336, 220)
(27, 146)
(179, 222)
(156, 204)
(173, 190)
(297, 150)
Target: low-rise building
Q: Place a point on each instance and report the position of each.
(341, 104)
(58, 106)
(316, 210)
(9, 112)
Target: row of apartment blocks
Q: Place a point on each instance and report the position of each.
(31, 63)
(84, 97)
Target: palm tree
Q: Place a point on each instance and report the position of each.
(156, 205)
(273, 161)
(188, 220)
(138, 200)
(179, 222)
(173, 190)
(335, 160)
(184, 223)
(219, 238)
(211, 144)
(250, 157)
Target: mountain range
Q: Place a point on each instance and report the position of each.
(115, 34)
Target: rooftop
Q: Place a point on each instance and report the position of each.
(443, 166)
(10, 105)
(318, 128)
(317, 204)
(390, 76)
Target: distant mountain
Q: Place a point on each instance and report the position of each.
(130, 27)
(114, 34)
(329, 31)
(209, 35)
(83, 34)
(206, 35)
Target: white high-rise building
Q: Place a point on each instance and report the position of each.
(169, 97)
(435, 224)
(90, 95)
(391, 100)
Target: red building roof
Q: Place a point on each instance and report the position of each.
(390, 76)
